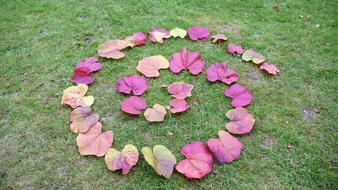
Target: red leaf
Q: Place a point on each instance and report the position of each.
(185, 60)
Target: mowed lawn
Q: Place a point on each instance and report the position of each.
(294, 141)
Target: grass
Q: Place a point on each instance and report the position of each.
(293, 144)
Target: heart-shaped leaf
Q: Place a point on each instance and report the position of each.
(218, 38)
(178, 32)
(221, 72)
(132, 84)
(93, 142)
(198, 162)
(178, 106)
(83, 70)
(240, 95)
(226, 148)
(82, 119)
(251, 55)
(185, 60)
(180, 90)
(124, 160)
(133, 105)
(198, 33)
(150, 66)
(137, 39)
(74, 96)
(241, 121)
(111, 48)
(161, 159)
(158, 34)
(234, 49)
(155, 114)
(269, 68)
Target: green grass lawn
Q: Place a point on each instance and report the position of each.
(294, 141)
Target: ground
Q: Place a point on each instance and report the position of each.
(293, 144)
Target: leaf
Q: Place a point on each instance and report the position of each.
(234, 49)
(150, 66)
(198, 33)
(226, 148)
(269, 68)
(180, 90)
(158, 34)
(198, 162)
(240, 95)
(218, 38)
(93, 142)
(82, 119)
(111, 48)
(185, 60)
(155, 114)
(221, 72)
(133, 105)
(83, 70)
(132, 84)
(137, 39)
(178, 32)
(74, 96)
(161, 159)
(124, 160)
(251, 55)
(177, 106)
(241, 121)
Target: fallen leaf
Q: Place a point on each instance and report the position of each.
(221, 72)
(161, 159)
(137, 39)
(150, 66)
(218, 38)
(178, 106)
(132, 84)
(234, 49)
(124, 160)
(84, 69)
(185, 60)
(241, 121)
(93, 142)
(111, 48)
(180, 90)
(178, 32)
(198, 162)
(226, 148)
(82, 119)
(133, 105)
(155, 114)
(198, 33)
(251, 55)
(158, 34)
(74, 96)
(269, 68)
(240, 95)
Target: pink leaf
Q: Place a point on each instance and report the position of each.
(133, 105)
(180, 90)
(218, 37)
(198, 33)
(198, 162)
(241, 121)
(93, 142)
(132, 83)
(222, 73)
(177, 106)
(82, 119)
(234, 49)
(269, 68)
(226, 148)
(137, 39)
(83, 70)
(185, 60)
(240, 95)
(158, 34)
